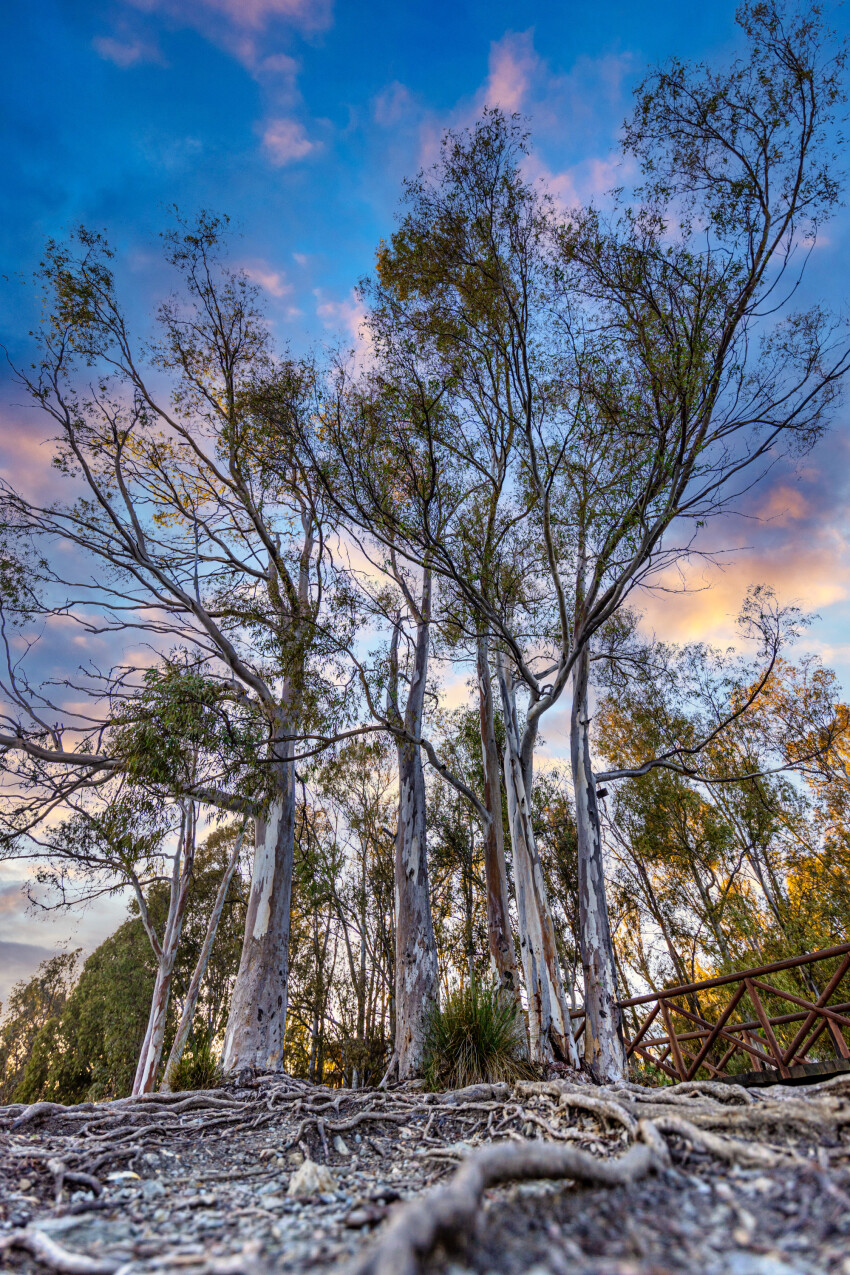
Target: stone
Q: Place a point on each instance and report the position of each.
(340, 1147)
(152, 1188)
(25, 1184)
(311, 1179)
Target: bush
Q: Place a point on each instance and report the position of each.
(477, 1036)
(197, 1069)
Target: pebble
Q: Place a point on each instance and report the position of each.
(311, 1179)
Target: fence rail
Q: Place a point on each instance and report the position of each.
(703, 1031)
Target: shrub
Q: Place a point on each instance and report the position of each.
(476, 1036)
(198, 1068)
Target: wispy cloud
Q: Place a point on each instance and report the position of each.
(272, 281)
(308, 15)
(513, 66)
(127, 52)
(346, 316)
(285, 141)
(392, 104)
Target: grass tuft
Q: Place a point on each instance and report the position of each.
(477, 1036)
(198, 1069)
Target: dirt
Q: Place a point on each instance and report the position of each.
(199, 1183)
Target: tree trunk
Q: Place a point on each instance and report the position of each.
(549, 1024)
(501, 940)
(166, 954)
(604, 1049)
(151, 1051)
(190, 1004)
(257, 1020)
(416, 972)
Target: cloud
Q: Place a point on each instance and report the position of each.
(391, 104)
(285, 141)
(273, 281)
(585, 104)
(794, 538)
(126, 53)
(513, 65)
(307, 15)
(19, 961)
(12, 898)
(348, 315)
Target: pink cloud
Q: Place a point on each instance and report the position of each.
(346, 315)
(273, 281)
(126, 53)
(513, 64)
(285, 141)
(309, 15)
(785, 504)
(391, 104)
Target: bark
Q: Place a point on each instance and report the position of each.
(151, 1051)
(257, 1020)
(549, 1024)
(416, 972)
(604, 1049)
(501, 939)
(166, 953)
(190, 1004)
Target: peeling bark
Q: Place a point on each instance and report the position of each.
(604, 1049)
(549, 1025)
(187, 1016)
(501, 940)
(257, 1020)
(416, 972)
(166, 954)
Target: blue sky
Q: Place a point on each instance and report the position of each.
(299, 119)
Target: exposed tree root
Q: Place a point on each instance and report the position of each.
(732, 1150)
(52, 1254)
(449, 1211)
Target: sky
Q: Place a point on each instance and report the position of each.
(299, 119)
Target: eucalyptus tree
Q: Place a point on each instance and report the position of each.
(192, 521)
(137, 829)
(446, 333)
(644, 368)
(690, 363)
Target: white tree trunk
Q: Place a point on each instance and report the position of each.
(257, 1020)
(151, 1051)
(416, 948)
(416, 969)
(166, 953)
(604, 1050)
(501, 939)
(549, 1024)
(187, 1016)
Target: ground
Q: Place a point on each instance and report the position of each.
(739, 1182)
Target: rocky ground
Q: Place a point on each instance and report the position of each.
(270, 1174)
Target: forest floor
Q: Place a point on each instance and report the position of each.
(271, 1174)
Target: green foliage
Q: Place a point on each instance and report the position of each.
(85, 1045)
(90, 1051)
(199, 1068)
(475, 1036)
(33, 1006)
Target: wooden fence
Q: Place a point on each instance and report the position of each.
(719, 1025)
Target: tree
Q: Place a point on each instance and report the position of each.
(445, 401)
(32, 1004)
(209, 533)
(687, 382)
